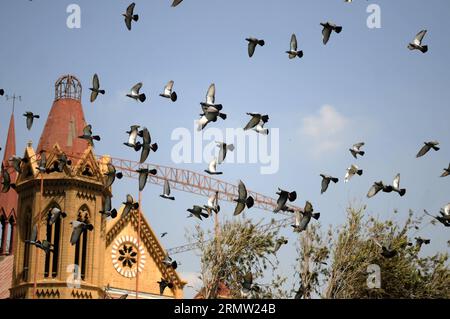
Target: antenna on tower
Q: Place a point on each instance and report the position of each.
(14, 97)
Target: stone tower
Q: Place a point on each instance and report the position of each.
(77, 190)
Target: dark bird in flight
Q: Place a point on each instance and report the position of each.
(61, 163)
(132, 137)
(30, 118)
(169, 262)
(279, 242)
(176, 2)
(2, 92)
(283, 197)
(326, 179)
(6, 181)
(210, 110)
(329, 27)
(416, 44)
(377, 187)
(386, 252)
(255, 121)
(163, 234)
(163, 284)
(421, 241)
(427, 147)
(444, 219)
(169, 93)
(129, 205)
(42, 163)
(197, 211)
(87, 135)
(252, 43)
(95, 88)
(135, 95)
(146, 145)
(293, 53)
(54, 214)
(77, 229)
(356, 150)
(243, 199)
(395, 187)
(446, 171)
(111, 174)
(223, 149)
(212, 206)
(130, 16)
(108, 211)
(143, 176)
(16, 162)
(45, 245)
(166, 191)
(302, 218)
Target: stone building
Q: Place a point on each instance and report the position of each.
(95, 267)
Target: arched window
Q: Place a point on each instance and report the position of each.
(81, 246)
(11, 228)
(27, 226)
(53, 236)
(3, 234)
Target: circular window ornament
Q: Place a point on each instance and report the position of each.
(125, 255)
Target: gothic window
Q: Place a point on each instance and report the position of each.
(4, 226)
(27, 234)
(81, 246)
(53, 236)
(12, 225)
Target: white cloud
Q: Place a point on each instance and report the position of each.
(325, 131)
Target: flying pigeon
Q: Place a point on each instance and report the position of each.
(197, 211)
(108, 211)
(95, 88)
(45, 245)
(302, 218)
(444, 219)
(252, 43)
(248, 286)
(61, 163)
(279, 242)
(257, 119)
(146, 145)
(169, 262)
(328, 27)
(143, 175)
(2, 92)
(293, 53)
(163, 284)
(87, 135)
(421, 241)
(212, 168)
(211, 98)
(377, 187)
(212, 206)
(16, 162)
(446, 171)
(385, 251)
(428, 145)
(166, 191)
(169, 93)
(176, 2)
(211, 110)
(6, 181)
(242, 199)
(54, 214)
(163, 234)
(223, 149)
(42, 164)
(326, 181)
(417, 42)
(77, 229)
(130, 16)
(356, 150)
(111, 174)
(396, 187)
(30, 117)
(283, 197)
(132, 136)
(134, 94)
(352, 170)
(129, 205)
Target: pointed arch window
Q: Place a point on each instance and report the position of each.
(81, 247)
(27, 226)
(53, 235)
(3, 234)
(12, 225)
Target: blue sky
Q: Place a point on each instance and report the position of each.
(364, 85)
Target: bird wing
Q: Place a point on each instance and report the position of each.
(166, 188)
(211, 200)
(94, 95)
(373, 190)
(211, 94)
(144, 154)
(239, 208)
(87, 130)
(293, 43)
(176, 2)
(282, 199)
(251, 48)
(142, 180)
(447, 210)
(242, 191)
(29, 122)
(146, 136)
(33, 236)
(107, 206)
(357, 146)
(396, 182)
(419, 37)
(76, 232)
(168, 88)
(135, 89)
(308, 208)
(256, 118)
(130, 199)
(212, 165)
(326, 32)
(130, 9)
(95, 82)
(222, 153)
(423, 150)
(325, 183)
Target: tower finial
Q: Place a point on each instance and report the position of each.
(14, 98)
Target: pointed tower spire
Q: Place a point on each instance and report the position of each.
(8, 201)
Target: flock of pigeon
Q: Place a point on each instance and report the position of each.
(210, 112)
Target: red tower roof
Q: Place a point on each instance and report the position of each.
(8, 201)
(65, 121)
